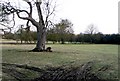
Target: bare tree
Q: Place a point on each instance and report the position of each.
(4, 22)
(41, 25)
(91, 29)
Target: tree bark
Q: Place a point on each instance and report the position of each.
(41, 31)
(41, 39)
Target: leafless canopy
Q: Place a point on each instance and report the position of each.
(91, 29)
(48, 9)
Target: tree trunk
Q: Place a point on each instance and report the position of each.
(62, 41)
(41, 31)
(21, 41)
(41, 39)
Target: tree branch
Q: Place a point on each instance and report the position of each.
(29, 19)
(8, 9)
(48, 11)
(10, 28)
(30, 8)
(27, 24)
(40, 13)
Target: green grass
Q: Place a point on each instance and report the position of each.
(68, 54)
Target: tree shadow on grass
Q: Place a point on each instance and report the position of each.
(61, 73)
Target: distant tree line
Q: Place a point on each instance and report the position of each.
(62, 32)
(98, 38)
(55, 37)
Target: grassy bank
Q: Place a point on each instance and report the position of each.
(75, 55)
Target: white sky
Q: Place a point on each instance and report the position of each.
(102, 13)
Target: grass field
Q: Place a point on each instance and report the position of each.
(68, 54)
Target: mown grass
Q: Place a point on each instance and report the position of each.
(68, 54)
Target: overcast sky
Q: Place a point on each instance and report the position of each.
(102, 13)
